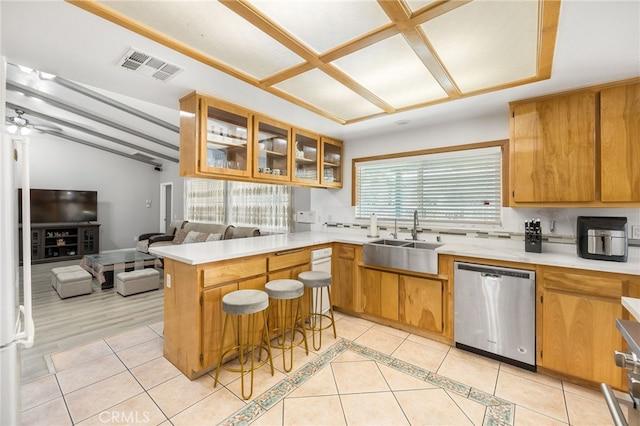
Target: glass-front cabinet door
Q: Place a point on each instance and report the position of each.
(331, 163)
(271, 159)
(306, 157)
(227, 129)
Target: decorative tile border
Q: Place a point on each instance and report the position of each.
(504, 235)
(499, 411)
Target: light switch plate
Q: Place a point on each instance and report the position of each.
(635, 232)
(306, 216)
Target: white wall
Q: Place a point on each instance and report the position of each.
(123, 185)
(335, 205)
(170, 174)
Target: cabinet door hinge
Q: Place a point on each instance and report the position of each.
(541, 298)
(201, 300)
(540, 354)
(513, 194)
(513, 114)
(201, 358)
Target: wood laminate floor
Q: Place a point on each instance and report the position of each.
(61, 324)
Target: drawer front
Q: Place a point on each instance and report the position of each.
(346, 252)
(594, 285)
(220, 273)
(287, 259)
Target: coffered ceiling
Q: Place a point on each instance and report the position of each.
(351, 61)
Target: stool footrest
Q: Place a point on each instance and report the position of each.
(247, 357)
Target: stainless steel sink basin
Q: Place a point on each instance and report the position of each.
(395, 243)
(416, 256)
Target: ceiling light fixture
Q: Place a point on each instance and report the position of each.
(18, 125)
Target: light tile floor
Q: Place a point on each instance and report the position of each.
(370, 375)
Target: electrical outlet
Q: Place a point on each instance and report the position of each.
(635, 232)
(306, 216)
(168, 281)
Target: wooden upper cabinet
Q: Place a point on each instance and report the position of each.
(224, 141)
(620, 143)
(331, 163)
(214, 138)
(305, 161)
(273, 143)
(553, 150)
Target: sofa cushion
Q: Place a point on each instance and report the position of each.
(181, 234)
(209, 228)
(245, 231)
(213, 237)
(174, 225)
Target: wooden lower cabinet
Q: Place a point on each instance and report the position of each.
(411, 300)
(212, 321)
(421, 302)
(578, 329)
(380, 293)
(579, 337)
(193, 316)
(344, 270)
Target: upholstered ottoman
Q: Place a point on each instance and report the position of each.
(138, 281)
(60, 270)
(73, 283)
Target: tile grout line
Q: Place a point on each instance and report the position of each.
(499, 410)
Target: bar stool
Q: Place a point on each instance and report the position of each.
(283, 293)
(236, 305)
(318, 282)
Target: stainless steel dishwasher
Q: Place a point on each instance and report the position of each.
(495, 313)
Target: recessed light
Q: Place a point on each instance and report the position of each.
(401, 122)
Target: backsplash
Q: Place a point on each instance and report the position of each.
(561, 221)
(385, 231)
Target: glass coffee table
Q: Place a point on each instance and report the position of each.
(104, 266)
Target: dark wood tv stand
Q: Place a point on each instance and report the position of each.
(54, 242)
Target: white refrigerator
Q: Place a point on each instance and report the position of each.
(16, 323)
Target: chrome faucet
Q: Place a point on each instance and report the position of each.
(395, 225)
(414, 231)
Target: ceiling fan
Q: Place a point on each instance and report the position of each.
(19, 125)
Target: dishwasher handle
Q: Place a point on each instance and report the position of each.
(494, 271)
(490, 275)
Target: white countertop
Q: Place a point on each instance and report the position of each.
(633, 306)
(563, 255)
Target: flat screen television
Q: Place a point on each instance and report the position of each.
(61, 206)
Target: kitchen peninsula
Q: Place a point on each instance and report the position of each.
(198, 275)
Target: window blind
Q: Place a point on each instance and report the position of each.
(455, 187)
(269, 207)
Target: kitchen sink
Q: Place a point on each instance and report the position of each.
(415, 256)
(394, 243)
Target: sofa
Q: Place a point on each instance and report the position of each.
(185, 232)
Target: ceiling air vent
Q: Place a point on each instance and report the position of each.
(141, 62)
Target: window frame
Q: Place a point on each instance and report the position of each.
(503, 144)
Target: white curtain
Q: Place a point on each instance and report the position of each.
(266, 206)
